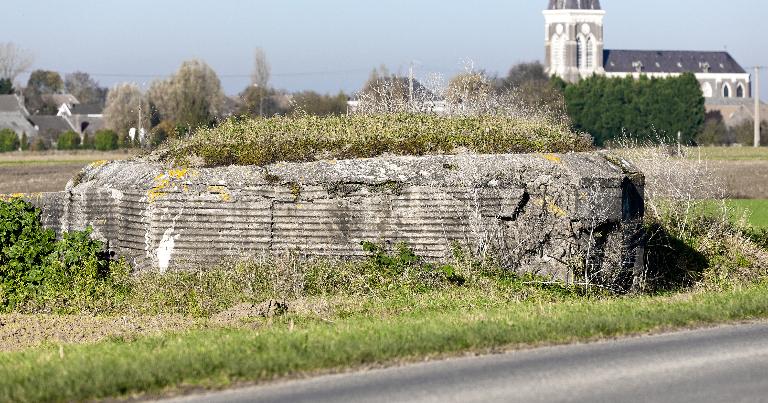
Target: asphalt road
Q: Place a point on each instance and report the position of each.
(724, 364)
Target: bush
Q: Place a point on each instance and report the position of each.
(36, 270)
(105, 140)
(9, 140)
(68, 141)
(24, 142)
(87, 143)
(39, 144)
(308, 138)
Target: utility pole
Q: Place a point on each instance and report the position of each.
(756, 95)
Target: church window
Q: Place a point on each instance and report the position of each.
(740, 91)
(580, 53)
(590, 53)
(726, 91)
(558, 51)
(706, 89)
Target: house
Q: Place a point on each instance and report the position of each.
(83, 118)
(408, 90)
(49, 127)
(14, 116)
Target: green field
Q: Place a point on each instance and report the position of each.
(729, 153)
(756, 211)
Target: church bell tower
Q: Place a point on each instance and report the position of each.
(574, 39)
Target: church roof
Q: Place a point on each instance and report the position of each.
(670, 61)
(574, 5)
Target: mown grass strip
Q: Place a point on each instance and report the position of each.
(219, 357)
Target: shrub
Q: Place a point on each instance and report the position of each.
(39, 144)
(87, 143)
(24, 142)
(308, 138)
(9, 140)
(105, 140)
(68, 141)
(36, 269)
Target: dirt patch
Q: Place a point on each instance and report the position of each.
(31, 172)
(33, 178)
(19, 331)
(743, 179)
(240, 312)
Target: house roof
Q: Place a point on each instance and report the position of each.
(17, 122)
(87, 109)
(670, 61)
(51, 123)
(58, 99)
(10, 103)
(574, 5)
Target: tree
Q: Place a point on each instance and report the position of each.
(524, 72)
(744, 133)
(714, 131)
(646, 109)
(262, 71)
(192, 97)
(42, 82)
(312, 103)
(84, 88)
(471, 88)
(6, 86)
(13, 60)
(125, 106)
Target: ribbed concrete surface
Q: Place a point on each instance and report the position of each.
(539, 213)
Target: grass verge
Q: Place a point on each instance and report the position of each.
(215, 358)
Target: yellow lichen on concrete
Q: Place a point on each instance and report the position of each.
(221, 191)
(552, 157)
(553, 208)
(98, 164)
(164, 181)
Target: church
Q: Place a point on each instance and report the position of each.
(574, 39)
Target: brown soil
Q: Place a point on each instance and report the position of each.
(30, 172)
(30, 178)
(743, 179)
(18, 331)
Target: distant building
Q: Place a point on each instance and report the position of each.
(84, 118)
(574, 50)
(421, 97)
(574, 39)
(14, 116)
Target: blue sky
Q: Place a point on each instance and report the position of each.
(331, 45)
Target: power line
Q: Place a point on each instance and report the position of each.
(290, 74)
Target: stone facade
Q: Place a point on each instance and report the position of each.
(554, 215)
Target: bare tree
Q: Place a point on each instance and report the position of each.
(126, 108)
(13, 60)
(84, 88)
(262, 71)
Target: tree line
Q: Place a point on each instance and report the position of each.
(645, 109)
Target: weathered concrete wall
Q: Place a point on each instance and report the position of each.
(549, 214)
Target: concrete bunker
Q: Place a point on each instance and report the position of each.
(562, 215)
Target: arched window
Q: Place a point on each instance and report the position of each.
(739, 91)
(558, 51)
(590, 57)
(706, 89)
(726, 91)
(580, 53)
